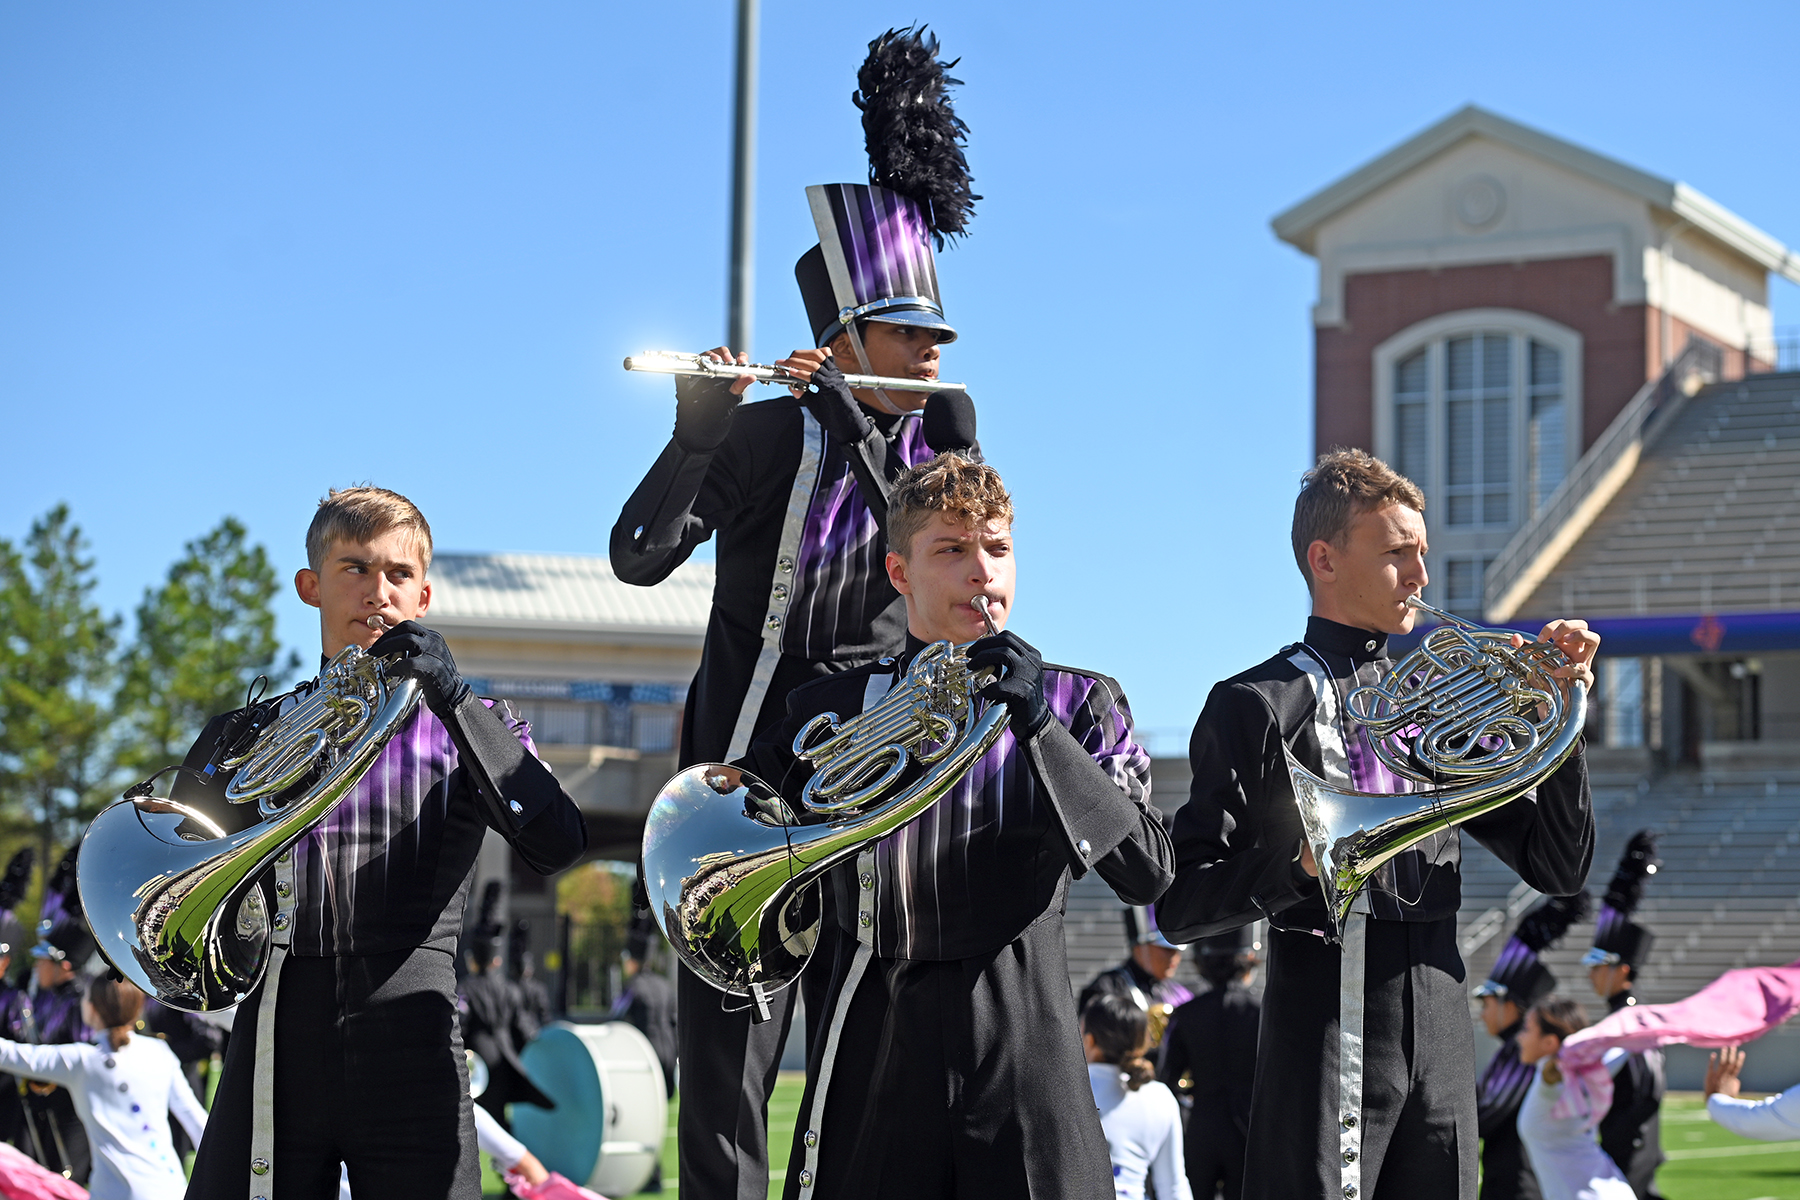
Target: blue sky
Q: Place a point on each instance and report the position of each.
(248, 252)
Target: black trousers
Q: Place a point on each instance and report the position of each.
(1215, 1156)
(1418, 1116)
(956, 1079)
(369, 1073)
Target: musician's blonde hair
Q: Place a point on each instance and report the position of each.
(951, 484)
(359, 514)
(1342, 486)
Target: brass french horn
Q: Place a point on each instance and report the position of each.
(1475, 720)
(174, 901)
(733, 870)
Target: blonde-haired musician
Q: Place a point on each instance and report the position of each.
(1365, 1082)
(348, 1051)
(950, 1062)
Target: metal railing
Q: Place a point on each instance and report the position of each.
(1643, 417)
(1781, 352)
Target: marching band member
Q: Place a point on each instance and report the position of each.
(1519, 980)
(1394, 1117)
(1774, 1119)
(795, 489)
(1559, 1139)
(950, 997)
(1211, 1044)
(1147, 978)
(124, 1089)
(49, 1012)
(357, 1014)
(1631, 1131)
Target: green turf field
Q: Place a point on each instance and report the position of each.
(1705, 1162)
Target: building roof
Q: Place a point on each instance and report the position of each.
(1299, 224)
(1709, 521)
(573, 595)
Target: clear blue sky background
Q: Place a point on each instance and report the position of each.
(248, 252)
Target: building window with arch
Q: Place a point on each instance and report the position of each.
(1480, 410)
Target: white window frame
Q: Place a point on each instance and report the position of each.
(1477, 541)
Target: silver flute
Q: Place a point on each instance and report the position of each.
(669, 362)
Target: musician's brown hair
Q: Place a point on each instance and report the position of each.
(1560, 1015)
(1121, 1032)
(1342, 486)
(118, 1003)
(952, 484)
(359, 514)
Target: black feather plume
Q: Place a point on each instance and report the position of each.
(1637, 864)
(1544, 924)
(914, 137)
(17, 879)
(62, 898)
(485, 924)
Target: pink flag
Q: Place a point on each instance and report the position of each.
(23, 1179)
(557, 1187)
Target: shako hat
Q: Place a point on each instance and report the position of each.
(12, 890)
(1519, 974)
(1240, 942)
(874, 257)
(483, 940)
(1141, 930)
(1617, 938)
(63, 934)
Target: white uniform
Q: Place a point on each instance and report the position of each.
(124, 1098)
(1776, 1119)
(1143, 1131)
(505, 1149)
(1568, 1161)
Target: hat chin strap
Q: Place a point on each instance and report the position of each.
(862, 362)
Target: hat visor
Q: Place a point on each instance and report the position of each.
(1488, 987)
(921, 318)
(1157, 939)
(1596, 957)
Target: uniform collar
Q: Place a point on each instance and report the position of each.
(1345, 640)
(1512, 1031)
(1619, 1000)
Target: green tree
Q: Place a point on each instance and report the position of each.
(202, 639)
(56, 668)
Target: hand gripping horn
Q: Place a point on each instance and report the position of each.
(1475, 719)
(732, 869)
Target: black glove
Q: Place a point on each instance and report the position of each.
(1021, 683)
(703, 408)
(829, 400)
(428, 660)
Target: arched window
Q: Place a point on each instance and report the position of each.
(1482, 410)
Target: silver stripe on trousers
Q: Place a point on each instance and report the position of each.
(262, 1083)
(1351, 984)
(815, 1117)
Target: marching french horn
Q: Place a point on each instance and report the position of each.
(1473, 720)
(733, 870)
(177, 904)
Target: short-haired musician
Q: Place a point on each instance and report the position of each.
(951, 1062)
(1365, 1080)
(348, 1052)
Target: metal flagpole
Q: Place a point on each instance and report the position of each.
(740, 316)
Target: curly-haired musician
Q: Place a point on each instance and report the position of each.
(795, 489)
(1365, 1081)
(951, 1062)
(348, 1051)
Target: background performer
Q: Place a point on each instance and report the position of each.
(950, 1000)
(1518, 980)
(1147, 978)
(358, 1011)
(796, 491)
(1631, 1131)
(1209, 1051)
(125, 1090)
(1776, 1119)
(1565, 1159)
(1139, 1115)
(48, 1013)
(1359, 539)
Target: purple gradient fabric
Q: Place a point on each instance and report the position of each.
(841, 579)
(885, 243)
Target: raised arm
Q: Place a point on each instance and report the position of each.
(63, 1063)
(1237, 837)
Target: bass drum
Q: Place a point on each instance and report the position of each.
(612, 1110)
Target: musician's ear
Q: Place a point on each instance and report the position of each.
(1321, 562)
(896, 570)
(306, 582)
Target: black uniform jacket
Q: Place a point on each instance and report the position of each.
(1237, 840)
(497, 783)
(1631, 1130)
(1213, 1039)
(743, 491)
(1505, 1171)
(650, 1006)
(1063, 815)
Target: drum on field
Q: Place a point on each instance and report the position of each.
(611, 1107)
